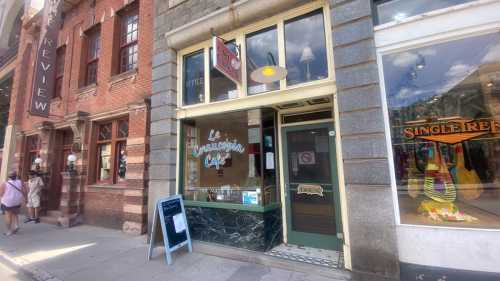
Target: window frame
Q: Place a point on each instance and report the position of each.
(59, 75)
(239, 37)
(114, 141)
(131, 11)
(389, 40)
(92, 34)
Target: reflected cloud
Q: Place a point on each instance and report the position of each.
(493, 54)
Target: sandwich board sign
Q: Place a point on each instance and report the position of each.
(170, 227)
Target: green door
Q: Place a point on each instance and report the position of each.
(311, 186)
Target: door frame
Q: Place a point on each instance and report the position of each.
(333, 242)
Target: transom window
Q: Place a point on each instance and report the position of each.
(128, 39)
(297, 43)
(112, 151)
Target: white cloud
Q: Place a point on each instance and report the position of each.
(493, 54)
(405, 59)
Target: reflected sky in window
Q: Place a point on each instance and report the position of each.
(305, 48)
(262, 50)
(194, 89)
(425, 74)
(395, 10)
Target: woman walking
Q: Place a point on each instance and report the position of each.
(12, 193)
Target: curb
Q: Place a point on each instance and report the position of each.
(24, 267)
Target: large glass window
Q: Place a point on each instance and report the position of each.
(394, 10)
(305, 48)
(221, 87)
(112, 151)
(262, 50)
(231, 158)
(444, 109)
(194, 79)
(300, 47)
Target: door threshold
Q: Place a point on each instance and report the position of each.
(265, 259)
(320, 257)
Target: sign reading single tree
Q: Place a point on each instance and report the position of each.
(44, 75)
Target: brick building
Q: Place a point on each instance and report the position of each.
(99, 112)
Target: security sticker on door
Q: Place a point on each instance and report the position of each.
(307, 158)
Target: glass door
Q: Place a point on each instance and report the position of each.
(311, 186)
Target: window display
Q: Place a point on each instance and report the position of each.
(231, 158)
(444, 110)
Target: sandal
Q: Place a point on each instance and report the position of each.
(15, 230)
(10, 233)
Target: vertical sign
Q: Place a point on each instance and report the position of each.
(226, 61)
(44, 74)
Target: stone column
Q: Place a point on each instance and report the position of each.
(163, 141)
(69, 207)
(370, 209)
(136, 193)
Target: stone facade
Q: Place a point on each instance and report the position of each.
(372, 236)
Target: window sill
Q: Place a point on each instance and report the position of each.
(233, 206)
(88, 89)
(130, 74)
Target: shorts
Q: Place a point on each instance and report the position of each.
(13, 209)
(33, 201)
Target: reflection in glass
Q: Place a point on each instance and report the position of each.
(104, 161)
(262, 50)
(221, 87)
(305, 48)
(395, 10)
(193, 84)
(444, 108)
(223, 159)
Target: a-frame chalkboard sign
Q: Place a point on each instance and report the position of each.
(170, 227)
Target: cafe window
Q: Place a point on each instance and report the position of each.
(305, 47)
(221, 87)
(129, 39)
(297, 43)
(262, 50)
(92, 58)
(396, 10)
(444, 114)
(231, 158)
(60, 55)
(112, 151)
(194, 79)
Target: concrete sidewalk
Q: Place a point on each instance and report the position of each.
(87, 253)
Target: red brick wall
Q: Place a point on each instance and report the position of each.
(113, 95)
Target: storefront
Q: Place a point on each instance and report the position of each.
(440, 67)
(258, 162)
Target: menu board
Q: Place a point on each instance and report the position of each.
(170, 226)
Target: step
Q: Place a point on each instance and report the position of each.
(54, 213)
(266, 260)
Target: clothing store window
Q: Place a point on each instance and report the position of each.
(231, 158)
(396, 10)
(444, 110)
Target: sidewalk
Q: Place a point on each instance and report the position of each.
(87, 253)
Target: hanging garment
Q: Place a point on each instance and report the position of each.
(415, 183)
(438, 183)
(468, 182)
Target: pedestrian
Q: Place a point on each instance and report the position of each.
(35, 185)
(12, 193)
